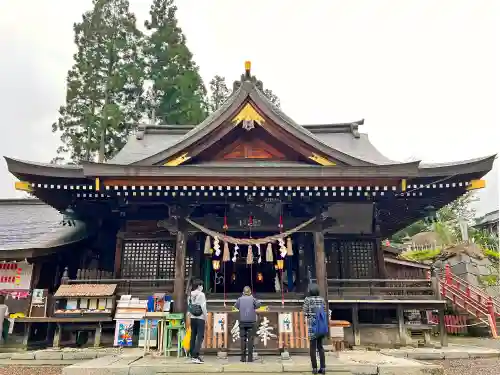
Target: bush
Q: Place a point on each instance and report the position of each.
(420, 255)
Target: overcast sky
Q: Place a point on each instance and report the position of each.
(421, 73)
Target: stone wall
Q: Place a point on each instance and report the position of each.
(383, 336)
(472, 270)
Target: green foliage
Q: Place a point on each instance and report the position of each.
(490, 280)
(459, 208)
(484, 238)
(409, 231)
(447, 225)
(177, 95)
(420, 255)
(447, 233)
(219, 93)
(104, 86)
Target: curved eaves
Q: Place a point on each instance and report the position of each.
(21, 167)
(479, 166)
(285, 122)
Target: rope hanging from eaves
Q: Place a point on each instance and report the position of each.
(250, 241)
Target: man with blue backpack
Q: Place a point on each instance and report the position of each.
(317, 326)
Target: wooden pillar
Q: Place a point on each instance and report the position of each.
(401, 324)
(197, 258)
(26, 336)
(442, 327)
(379, 253)
(302, 276)
(355, 325)
(319, 247)
(57, 336)
(97, 336)
(118, 254)
(180, 271)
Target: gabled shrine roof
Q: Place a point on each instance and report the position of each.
(151, 140)
(347, 152)
(245, 93)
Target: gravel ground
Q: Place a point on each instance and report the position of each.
(486, 366)
(39, 370)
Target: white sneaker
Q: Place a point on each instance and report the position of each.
(197, 361)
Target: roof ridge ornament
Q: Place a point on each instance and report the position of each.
(248, 117)
(248, 77)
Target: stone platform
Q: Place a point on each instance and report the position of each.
(356, 362)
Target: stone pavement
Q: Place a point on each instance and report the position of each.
(354, 362)
(453, 351)
(405, 360)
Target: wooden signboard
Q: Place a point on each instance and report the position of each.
(38, 306)
(266, 334)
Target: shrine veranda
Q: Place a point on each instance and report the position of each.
(247, 197)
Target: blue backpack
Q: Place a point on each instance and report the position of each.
(320, 324)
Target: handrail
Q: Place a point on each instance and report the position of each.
(368, 281)
(477, 291)
(449, 277)
(469, 301)
(483, 303)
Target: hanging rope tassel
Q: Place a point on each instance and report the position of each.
(289, 249)
(207, 250)
(269, 253)
(226, 255)
(250, 255)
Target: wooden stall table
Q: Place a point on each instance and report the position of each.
(59, 321)
(337, 326)
(148, 318)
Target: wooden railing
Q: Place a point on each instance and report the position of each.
(84, 274)
(381, 288)
(470, 298)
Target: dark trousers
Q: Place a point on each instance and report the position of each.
(197, 336)
(247, 337)
(316, 345)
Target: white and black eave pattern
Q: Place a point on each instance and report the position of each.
(89, 191)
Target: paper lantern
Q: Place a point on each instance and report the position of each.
(279, 264)
(260, 277)
(216, 264)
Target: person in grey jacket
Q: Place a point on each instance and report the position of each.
(247, 305)
(197, 301)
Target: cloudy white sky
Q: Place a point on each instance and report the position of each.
(422, 73)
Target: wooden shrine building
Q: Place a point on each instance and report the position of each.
(250, 197)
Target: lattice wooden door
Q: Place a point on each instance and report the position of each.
(351, 259)
(150, 259)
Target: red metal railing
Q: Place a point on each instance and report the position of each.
(470, 298)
